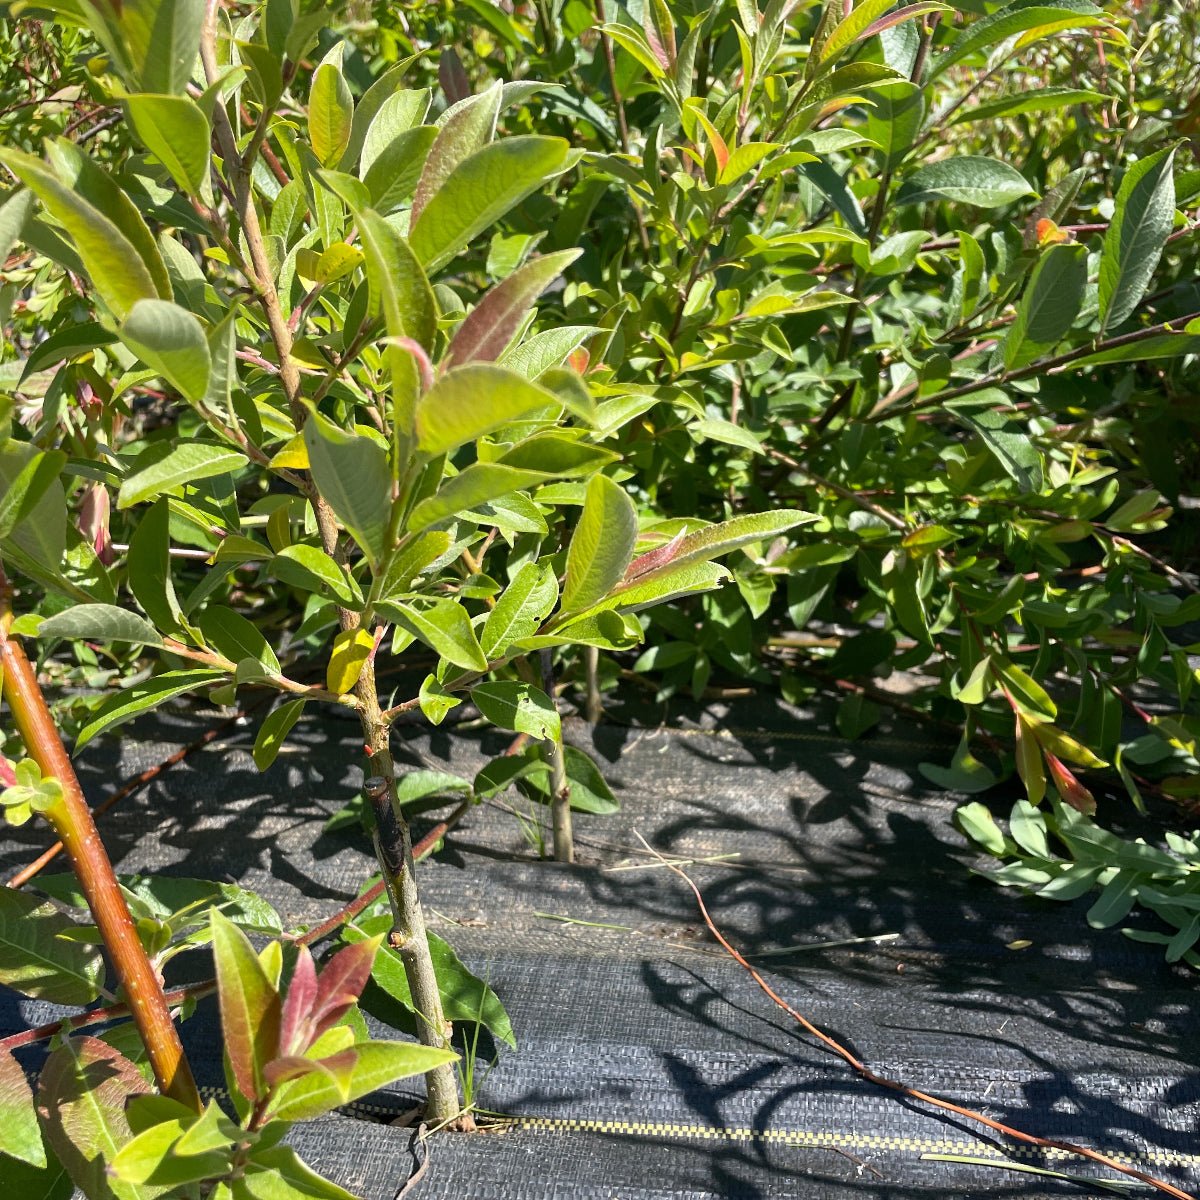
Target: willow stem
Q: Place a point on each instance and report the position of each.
(560, 785)
(73, 823)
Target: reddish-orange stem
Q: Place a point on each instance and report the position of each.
(72, 821)
(894, 1085)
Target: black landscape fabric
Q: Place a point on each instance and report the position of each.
(650, 1065)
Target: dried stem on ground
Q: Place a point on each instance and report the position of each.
(894, 1085)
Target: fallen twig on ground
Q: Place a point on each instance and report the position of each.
(894, 1085)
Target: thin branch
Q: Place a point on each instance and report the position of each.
(893, 1085)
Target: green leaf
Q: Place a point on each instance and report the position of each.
(443, 625)
(1141, 221)
(400, 291)
(41, 533)
(479, 484)
(1027, 692)
(311, 569)
(520, 609)
(400, 112)
(589, 791)
(250, 1007)
(436, 702)
(183, 463)
(858, 22)
(149, 563)
(480, 190)
(519, 707)
(171, 342)
(558, 452)
(978, 824)
(278, 1173)
(465, 997)
(236, 637)
(470, 401)
(394, 172)
(418, 785)
(100, 623)
(495, 320)
(141, 697)
(351, 473)
(964, 179)
(37, 475)
(114, 264)
(465, 128)
(20, 1136)
(273, 732)
(37, 960)
(715, 540)
(330, 112)
(1012, 449)
(1011, 21)
(162, 37)
(155, 1156)
(82, 1093)
(376, 1065)
(1048, 308)
(1043, 99)
(964, 774)
(177, 133)
(601, 546)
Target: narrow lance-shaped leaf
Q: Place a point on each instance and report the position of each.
(100, 623)
(466, 127)
(715, 540)
(20, 1136)
(965, 179)
(150, 568)
(177, 133)
(116, 269)
(273, 732)
(185, 462)
(1048, 309)
(441, 624)
(480, 190)
(41, 533)
(493, 323)
(142, 697)
(1142, 219)
(351, 473)
(601, 545)
(330, 110)
(401, 292)
(250, 1006)
(170, 341)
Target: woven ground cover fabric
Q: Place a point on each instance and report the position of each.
(649, 1065)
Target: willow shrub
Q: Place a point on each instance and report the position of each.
(336, 351)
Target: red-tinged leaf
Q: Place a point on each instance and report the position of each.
(453, 76)
(82, 1093)
(1029, 760)
(335, 1067)
(19, 1133)
(579, 360)
(341, 982)
(492, 324)
(295, 1024)
(901, 14)
(1069, 788)
(660, 556)
(250, 1008)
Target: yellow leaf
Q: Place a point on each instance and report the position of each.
(340, 259)
(294, 454)
(347, 659)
